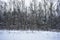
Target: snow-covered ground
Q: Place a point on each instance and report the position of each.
(29, 35)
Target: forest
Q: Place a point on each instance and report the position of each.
(42, 16)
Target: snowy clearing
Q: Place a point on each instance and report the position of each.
(29, 35)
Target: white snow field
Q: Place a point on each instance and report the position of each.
(28, 35)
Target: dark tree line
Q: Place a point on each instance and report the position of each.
(33, 17)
